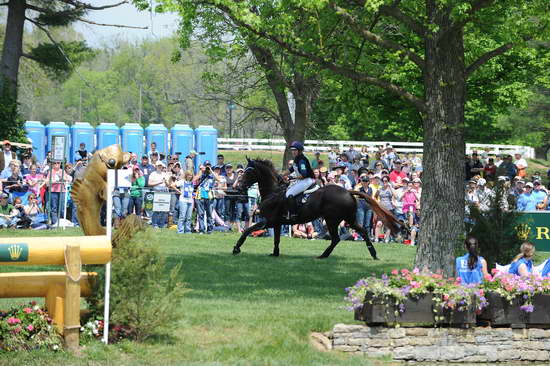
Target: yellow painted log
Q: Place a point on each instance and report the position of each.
(50, 250)
(38, 284)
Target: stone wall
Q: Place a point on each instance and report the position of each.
(474, 345)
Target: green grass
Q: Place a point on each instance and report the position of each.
(249, 309)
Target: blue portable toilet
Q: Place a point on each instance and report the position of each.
(107, 135)
(158, 134)
(81, 132)
(58, 129)
(36, 131)
(181, 139)
(131, 136)
(206, 144)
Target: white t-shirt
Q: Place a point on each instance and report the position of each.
(7, 158)
(156, 177)
(521, 162)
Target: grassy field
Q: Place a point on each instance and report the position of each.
(245, 310)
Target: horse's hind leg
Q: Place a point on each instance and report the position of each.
(237, 247)
(364, 233)
(334, 237)
(276, 240)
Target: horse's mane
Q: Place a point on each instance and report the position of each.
(270, 168)
(268, 164)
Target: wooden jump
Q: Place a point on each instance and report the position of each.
(61, 290)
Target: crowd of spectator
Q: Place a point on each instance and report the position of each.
(37, 194)
(522, 193)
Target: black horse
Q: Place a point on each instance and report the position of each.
(331, 202)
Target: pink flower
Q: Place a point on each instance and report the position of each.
(488, 277)
(445, 297)
(33, 303)
(17, 330)
(27, 310)
(416, 270)
(404, 271)
(30, 328)
(415, 284)
(394, 272)
(13, 320)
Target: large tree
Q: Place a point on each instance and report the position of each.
(439, 43)
(292, 84)
(57, 58)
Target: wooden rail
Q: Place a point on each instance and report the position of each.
(62, 290)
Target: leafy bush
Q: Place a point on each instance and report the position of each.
(145, 299)
(27, 327)
(495, 229)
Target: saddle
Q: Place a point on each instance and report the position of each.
(302, 198)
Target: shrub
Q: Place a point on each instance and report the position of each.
(27, 327)
(145, 299)
(495, 229)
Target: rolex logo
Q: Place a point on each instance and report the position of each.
(15, 252)
(523, 231)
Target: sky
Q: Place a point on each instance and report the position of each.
(160, 25)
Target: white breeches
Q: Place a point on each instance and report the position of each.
(299, 186)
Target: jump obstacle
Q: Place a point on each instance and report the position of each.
(61, 290)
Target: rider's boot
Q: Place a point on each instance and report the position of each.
(292, 210)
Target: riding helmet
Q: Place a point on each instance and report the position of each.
(297, 145)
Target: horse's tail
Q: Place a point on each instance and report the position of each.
(386, 216)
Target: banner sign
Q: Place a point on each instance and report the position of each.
(161, 202)
(15, 252)
(59, 146)
(537, 229)
(148, 198)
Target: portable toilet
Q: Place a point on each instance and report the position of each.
(81, 132)
(181, 140)
(158, 134)
(58, 129)
(131, 136)
(206, 144)
(36, 131)
(107, 135)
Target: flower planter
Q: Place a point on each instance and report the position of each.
(415, 311)
(501, 312)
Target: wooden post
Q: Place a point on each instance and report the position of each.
(72, 297)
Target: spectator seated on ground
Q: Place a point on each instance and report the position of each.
(471, 268)
(303, 231)
(8, 213)
(522, 265)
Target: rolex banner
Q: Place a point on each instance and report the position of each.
(17, 252)
(537, 229)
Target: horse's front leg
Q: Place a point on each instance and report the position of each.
(257, 226)
(276, 240)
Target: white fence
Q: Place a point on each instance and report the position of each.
(325, 145)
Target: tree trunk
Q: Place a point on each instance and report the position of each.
(13, 48)
(304, 90)
(442, 209)
(542, 152)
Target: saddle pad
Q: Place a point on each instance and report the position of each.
(311, 190)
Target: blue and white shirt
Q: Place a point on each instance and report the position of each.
(467, 275)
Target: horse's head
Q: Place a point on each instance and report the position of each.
(250, 175)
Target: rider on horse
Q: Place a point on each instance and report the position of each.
(302, 173)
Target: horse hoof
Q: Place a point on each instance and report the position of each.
(376, 258)
(321, 257)
(236, 251)
(274, 255)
